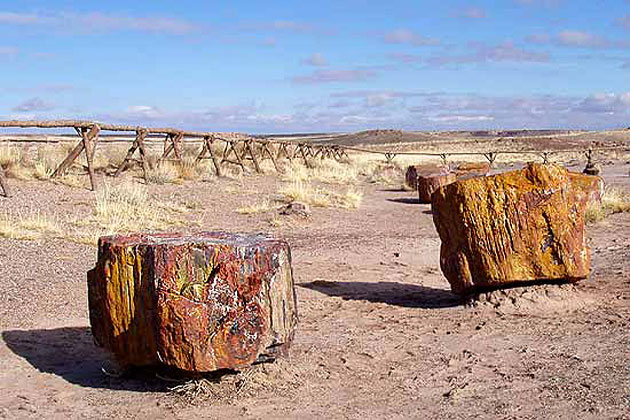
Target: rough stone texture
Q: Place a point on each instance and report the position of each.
(589, 188)
(516, 227)
(411, 175)
(429, 182)
(197, 302)
(467, 170)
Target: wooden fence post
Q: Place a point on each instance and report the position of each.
(250, 149)
(230, 147)
(207, 147)
(138, 143)
(88, 142)
(3, 184)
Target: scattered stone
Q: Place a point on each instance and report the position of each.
(411, 175)
(296, 208)
(198, 302)
(467, 170)
(517, 227)
(429, 181)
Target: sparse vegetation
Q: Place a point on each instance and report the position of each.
(613, 201)
(259, 207)
(32, 225)
(305, 192)
(166, 173)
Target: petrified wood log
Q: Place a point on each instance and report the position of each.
(412, 172)
(197, 302)
(428, 182)
(467, 170)
(516, 227)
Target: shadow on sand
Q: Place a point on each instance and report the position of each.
(399, 294)
(405, 200)
(71, 354)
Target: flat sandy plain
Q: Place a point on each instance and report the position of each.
(380, 334)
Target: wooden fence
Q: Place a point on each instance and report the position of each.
(236, 149)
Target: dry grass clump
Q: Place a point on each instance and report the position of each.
(166, 173)
(72, 180)
(28, 226)
(613, 201)
(325, 171)
(127, 207)
(277, 377)
(15, 162)
(305, 192)
(259, 207)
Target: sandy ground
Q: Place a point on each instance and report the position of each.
(380, 334)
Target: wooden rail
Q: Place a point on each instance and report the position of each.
(237, 148)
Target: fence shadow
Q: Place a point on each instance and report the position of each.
(71, 354)
(392, 293)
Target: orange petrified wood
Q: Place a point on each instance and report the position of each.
(519, 226)
(197, 302)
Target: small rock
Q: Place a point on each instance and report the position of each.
(296, 208)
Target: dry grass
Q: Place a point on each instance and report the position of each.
(613, 201)
(73, 180)
(33, 225)
(128, 207)
(166, 173)
(305, 192)
(263, 206)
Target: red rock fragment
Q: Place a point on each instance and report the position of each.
(197, 302)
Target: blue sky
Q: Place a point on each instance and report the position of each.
(285, 66)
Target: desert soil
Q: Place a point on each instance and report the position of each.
(380, 334)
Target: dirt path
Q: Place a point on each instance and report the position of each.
(380, 334)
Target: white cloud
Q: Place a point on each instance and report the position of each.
(334, 76)
(316, 60)
(8, 51)
(407, 36)
(97, 21)
(506, 51)
(471, 12)
(461, 118)
(34, 104)
(578, 39)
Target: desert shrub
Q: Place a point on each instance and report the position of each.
(165, 173)
(613, 201)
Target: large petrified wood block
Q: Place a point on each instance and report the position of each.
(519, 226)
(197, 302)
(412, 172)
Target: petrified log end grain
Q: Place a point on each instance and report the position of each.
(517, 227)
(198, 302)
